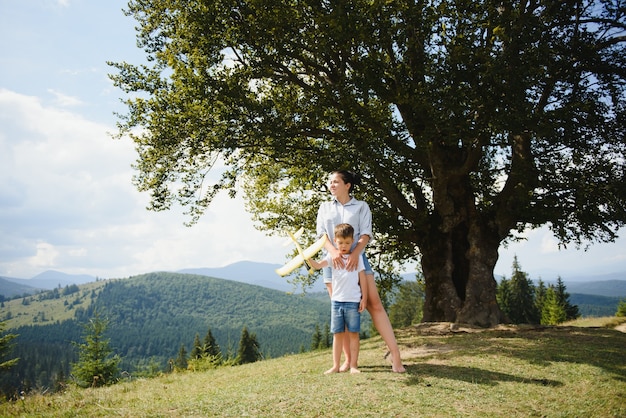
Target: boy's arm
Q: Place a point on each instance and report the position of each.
(363, 285)
(317, 264)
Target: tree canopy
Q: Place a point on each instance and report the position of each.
(469, 121)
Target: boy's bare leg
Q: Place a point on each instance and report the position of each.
(353, 337)
(346, 351)
(346, 342)
(337, 348)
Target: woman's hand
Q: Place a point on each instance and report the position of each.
(338, 262)
(353, 261)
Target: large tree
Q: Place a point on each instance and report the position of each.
(469, 120)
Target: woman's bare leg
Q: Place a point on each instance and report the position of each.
(382, 324)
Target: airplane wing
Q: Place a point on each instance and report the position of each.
(297, 261)
(293, 237)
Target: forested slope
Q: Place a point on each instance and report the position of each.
(152, 315)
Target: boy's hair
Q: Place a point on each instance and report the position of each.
(344, 231)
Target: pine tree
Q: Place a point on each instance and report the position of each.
(571, 311)
(327, 339)
(96, 366)
(196, 351)
(210, 348)
(316, 342)
(553, 312)
(621, 308)
(181, 360)
(540, 296)
(503, 295)
(5, 349)
(249, 350)
(408, 307)
(522, 308)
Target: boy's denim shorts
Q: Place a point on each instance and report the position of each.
(328, 271)
(344, 315)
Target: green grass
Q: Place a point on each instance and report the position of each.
(569, 371)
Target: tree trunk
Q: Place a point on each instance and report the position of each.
(460, 250)
(458, 272)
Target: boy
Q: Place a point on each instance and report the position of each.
(348, 295)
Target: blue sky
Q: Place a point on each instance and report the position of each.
(66, 198)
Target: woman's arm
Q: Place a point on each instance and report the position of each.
(353, 259)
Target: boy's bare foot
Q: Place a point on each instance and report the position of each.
(354, 370)
(332, 370)
(344, 367)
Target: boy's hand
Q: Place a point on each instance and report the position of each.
(362, 305)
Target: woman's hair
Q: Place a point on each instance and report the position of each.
(348, 177)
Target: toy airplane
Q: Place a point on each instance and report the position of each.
(303, 255)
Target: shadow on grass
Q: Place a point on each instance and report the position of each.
(598, 347)
(474, 375)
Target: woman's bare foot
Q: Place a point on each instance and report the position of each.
(332, 370)
(396, 364)
(344, 367)
(399, 369)
(354, 370)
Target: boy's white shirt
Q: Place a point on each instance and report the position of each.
(346, 283)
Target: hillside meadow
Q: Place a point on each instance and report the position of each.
(576, 370)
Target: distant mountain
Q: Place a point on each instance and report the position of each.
(50, 279)
(9, 288)
(594, 305)
(260, 274)
(610, 288)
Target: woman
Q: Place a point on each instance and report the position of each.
(344, 208)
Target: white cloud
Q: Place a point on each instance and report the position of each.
(45, 257)
(68, 204)
(549, 244)
(64, 100)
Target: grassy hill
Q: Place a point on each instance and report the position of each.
(150, 317)
(567, 371)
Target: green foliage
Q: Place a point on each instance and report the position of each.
(594, 305)
(469, 120)
(152, 315)
(196, 351)
(210, 347)
(525, 303)
(6, 347)
(181, 359)
(249, 350)
(408, 306)
(519, 295)
(96, 366)
(316, 342)
(621, 308)
(553, 312)
(156, 313)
